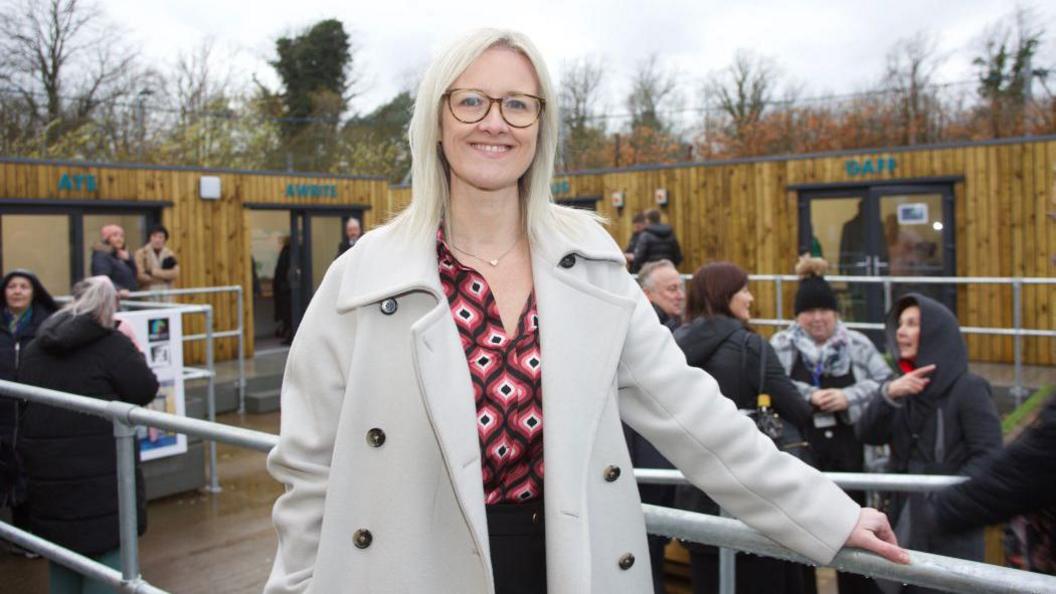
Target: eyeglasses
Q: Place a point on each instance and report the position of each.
(470, 106)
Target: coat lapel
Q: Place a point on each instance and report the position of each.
(394, 266)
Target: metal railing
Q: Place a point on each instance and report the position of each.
(237, 332)
(925, 569)
(1017, 331)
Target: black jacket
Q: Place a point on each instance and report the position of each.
(121, 272)
(1018, 480)
(717, 345)
(656, 242)
(950, 428)
(11, 346)
(69, 458)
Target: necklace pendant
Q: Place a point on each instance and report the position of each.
(493, 262)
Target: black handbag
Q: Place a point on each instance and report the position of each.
(786, 437)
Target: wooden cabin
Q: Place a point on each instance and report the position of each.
(967, 210)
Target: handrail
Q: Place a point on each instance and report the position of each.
(926, 569)
(75, 561)
(1017, 332)
(237, 332)
(850, 481)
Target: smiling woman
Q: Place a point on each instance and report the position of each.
(452, 462)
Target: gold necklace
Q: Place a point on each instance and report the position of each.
(494, 262)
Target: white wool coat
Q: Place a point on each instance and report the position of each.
(377, 358)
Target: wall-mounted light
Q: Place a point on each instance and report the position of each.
(661, 196)
(209, 187)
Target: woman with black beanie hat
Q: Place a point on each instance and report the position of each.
(838, 372)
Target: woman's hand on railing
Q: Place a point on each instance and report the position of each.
(873, 533)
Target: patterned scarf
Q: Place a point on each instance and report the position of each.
(832, 358)
(16, 323)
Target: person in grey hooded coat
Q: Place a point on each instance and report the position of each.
(938, 418)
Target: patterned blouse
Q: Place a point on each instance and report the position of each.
(507, 382)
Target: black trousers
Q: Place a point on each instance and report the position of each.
(518, 547)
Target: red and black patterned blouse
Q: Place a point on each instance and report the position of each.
(507, 382)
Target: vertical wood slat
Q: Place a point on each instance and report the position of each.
(740, 211)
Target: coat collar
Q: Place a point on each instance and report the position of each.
(391, 262)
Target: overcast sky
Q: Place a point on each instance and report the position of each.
(825, 47)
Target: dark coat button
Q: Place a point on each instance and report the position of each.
(568, 261)
(627, 561)
(375, 438)
(612, 473)
(363, 538)
(389, 306)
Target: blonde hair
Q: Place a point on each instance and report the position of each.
(430, 190)
(95, 296)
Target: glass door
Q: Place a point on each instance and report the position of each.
(290, 253)
(21, 238)
(881, 231)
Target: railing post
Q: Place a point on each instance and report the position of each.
(127, 509)
(214, 480)
(727, 566)
(1018, 391)
(888, 301)
(241, 353)
(779, 295)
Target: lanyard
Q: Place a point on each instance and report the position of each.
(815, 375)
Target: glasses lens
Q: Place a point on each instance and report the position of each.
(520, 110)
(469, 106)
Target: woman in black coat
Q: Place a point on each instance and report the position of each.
(718, 341)
(69, 458)
(1017, 481)
(938, 418)
(26, 304)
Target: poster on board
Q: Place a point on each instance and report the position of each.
(160, 338)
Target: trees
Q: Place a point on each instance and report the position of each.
(1006, 72)
(582, 128)
(652, 99)
(63, 63)
(911, 66)
(317, 72)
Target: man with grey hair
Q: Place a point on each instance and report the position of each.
(664, 288)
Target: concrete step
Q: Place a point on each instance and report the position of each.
(226, 394)
(262, 401)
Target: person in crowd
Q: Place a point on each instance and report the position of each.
(1016, 484)
(424, 360)
(70, 459)
(664, 288)
(111, 259)
(838, 371)
(26, 304)
(156, 265)
(282, 292)
(637, 224)
(938, 418)
(716, 338)
(657, 241)
(352, 233)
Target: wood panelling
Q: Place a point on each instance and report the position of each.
(745, 212)
(742, 211)
(210, 237)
